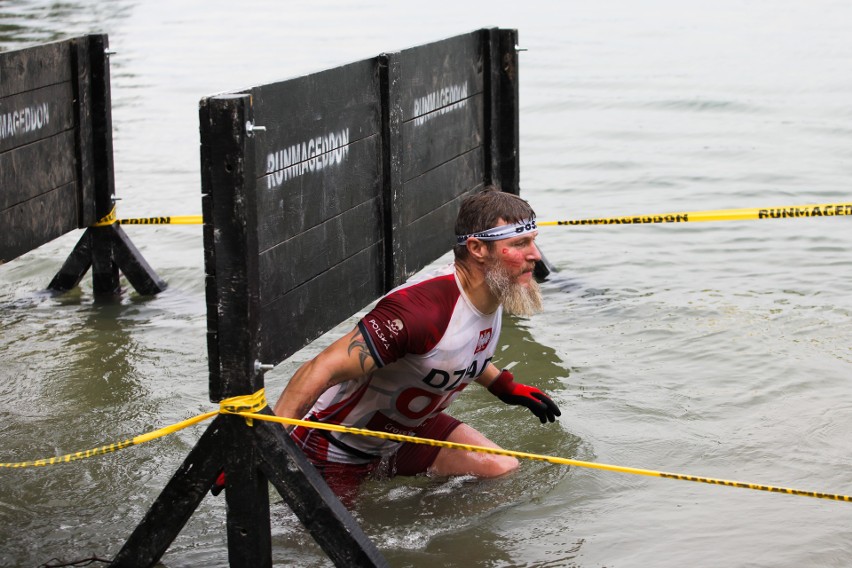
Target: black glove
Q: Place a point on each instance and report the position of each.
(506, 389)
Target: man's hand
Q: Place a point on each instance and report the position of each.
(506, 389)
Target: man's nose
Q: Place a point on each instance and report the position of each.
(535, 254)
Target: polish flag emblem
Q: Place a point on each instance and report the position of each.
(484, 339)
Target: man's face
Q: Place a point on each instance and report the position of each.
(509, 274)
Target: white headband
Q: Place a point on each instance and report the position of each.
(501, 232)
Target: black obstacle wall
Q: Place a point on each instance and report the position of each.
(293, 215)
(53, 134)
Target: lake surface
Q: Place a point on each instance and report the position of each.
(710, 349)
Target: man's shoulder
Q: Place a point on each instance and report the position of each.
(418, 313)
(428, 298)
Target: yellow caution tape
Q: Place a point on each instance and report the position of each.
(756, 213)
(550, 459)
(141, 439)
(109, 219)
(170, 220)
(790, 212)
(246, 406)
(234, 405)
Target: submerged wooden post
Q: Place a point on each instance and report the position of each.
(106, 249)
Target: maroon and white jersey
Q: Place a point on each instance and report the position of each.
(429, 343)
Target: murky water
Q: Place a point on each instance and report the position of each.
(714, 349)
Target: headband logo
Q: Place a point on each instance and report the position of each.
(502, 231)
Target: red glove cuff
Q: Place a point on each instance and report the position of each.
(502, 384)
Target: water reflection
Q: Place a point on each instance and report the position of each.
(76, 387)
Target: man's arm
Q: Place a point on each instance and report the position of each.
(488, 376)
(344, 360)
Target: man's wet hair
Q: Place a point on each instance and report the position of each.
(484, 209)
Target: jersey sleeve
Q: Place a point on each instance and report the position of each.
(409, 320)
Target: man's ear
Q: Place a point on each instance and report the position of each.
(477, 249)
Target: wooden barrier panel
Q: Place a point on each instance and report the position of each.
(56, 164)
(456, 108)
(45, 145)
(441, 93)
(308, 236)
(349, 181)
(319, 198)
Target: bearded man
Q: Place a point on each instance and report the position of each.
(416, 350)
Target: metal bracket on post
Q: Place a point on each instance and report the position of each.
(251, 128)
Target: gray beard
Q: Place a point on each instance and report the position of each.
(517, 299)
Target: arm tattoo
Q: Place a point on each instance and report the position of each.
(359, 344)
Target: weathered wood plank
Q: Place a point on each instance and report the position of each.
(33, 115)
(297, 198)
(103, 172)
(81, 61)
(227, 153)
(308, 115)
(429, 143)
(502, 120)
(133, 265)
(431, 236)
(37, 168)
(431, 190)
(30, 224)
(247, 495)
(318, 249)
(75, 266)
(394, 253)
(436, 76)
(306, 312)
(27, 69)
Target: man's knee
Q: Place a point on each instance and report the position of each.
(464, 462)
(502, 465)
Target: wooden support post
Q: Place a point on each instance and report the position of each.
(177, 502)
(104, 269)
(247, 494)
(81, 56)
(502, 120)
(389, 76)
(75, 266)
(133, 265)
(309, 497)
(107, 250)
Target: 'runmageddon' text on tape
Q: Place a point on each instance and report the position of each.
(791, 212)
